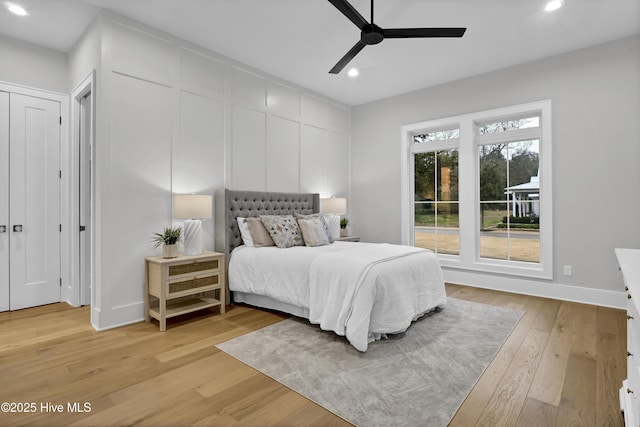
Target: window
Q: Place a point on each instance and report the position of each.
(477, 189)
(436, 191)
(508, 185)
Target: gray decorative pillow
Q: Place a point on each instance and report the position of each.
(259, 234)
(313, 232)
(283, 229)
(325, 226)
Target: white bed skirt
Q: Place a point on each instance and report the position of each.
(270, 303)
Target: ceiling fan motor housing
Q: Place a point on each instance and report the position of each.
(371, 34)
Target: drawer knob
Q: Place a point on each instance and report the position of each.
(629, 317)
(629, 354)
(626, 288)
(629, 391)
(628, 296)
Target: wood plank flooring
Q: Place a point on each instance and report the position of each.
(562, 366)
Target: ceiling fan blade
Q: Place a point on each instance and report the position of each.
(401, 33)
(347, 10)
(347, 58)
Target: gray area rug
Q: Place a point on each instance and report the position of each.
(418, 378)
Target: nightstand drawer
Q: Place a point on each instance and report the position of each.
(194, 284)
(194, 267)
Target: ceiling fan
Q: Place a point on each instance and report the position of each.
(372, 34)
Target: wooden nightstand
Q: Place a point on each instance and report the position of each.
(180, 285)
(348, 239)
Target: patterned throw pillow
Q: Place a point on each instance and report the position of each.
(283, 229)
(325, 226)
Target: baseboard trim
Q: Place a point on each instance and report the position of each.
(519, 285)
(118, 316)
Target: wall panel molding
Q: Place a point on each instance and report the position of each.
(207, 122)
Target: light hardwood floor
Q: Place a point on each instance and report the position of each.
(562, 366)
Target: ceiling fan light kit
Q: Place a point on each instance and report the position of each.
(553, 5)
(16, 9)
(371, 34)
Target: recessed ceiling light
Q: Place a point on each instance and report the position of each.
(353, 72)
(553, 5)
(16, 9)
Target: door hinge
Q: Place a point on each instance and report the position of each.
(60, 174)
(61, 282)
(60, 119)
(60, 227)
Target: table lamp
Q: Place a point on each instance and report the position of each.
(193, 208)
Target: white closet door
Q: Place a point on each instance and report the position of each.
(34, 199)
(4, 201)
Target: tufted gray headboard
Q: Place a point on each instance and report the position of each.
(230, 204)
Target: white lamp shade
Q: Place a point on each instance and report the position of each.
(192, 206)
(333, 205)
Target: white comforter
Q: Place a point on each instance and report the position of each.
(359, 290)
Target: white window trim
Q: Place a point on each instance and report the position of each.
(468, 166)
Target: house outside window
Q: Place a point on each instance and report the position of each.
(477, 189)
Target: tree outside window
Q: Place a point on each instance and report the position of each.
(436, 224)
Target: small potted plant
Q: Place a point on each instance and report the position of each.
(169, 239)
(344, 222)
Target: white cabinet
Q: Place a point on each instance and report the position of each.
(629, 260)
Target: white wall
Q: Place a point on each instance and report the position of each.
(86, 54)
(595, 95)
(175, 118)
(30, 65)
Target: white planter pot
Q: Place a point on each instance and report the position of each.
(169, 251)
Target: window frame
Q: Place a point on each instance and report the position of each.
(468, 144)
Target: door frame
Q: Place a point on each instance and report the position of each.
(5, 237)
(63, 99)
(87, 85)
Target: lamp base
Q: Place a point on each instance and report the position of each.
(333, 221)
(193, 237)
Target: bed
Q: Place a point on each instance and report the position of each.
(358, 290)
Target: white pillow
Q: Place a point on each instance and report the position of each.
(244, 231)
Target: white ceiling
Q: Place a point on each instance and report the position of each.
(300, 40)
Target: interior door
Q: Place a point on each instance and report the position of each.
(34, 199)
(4, 201)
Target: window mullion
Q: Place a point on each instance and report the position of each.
(467, 194)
